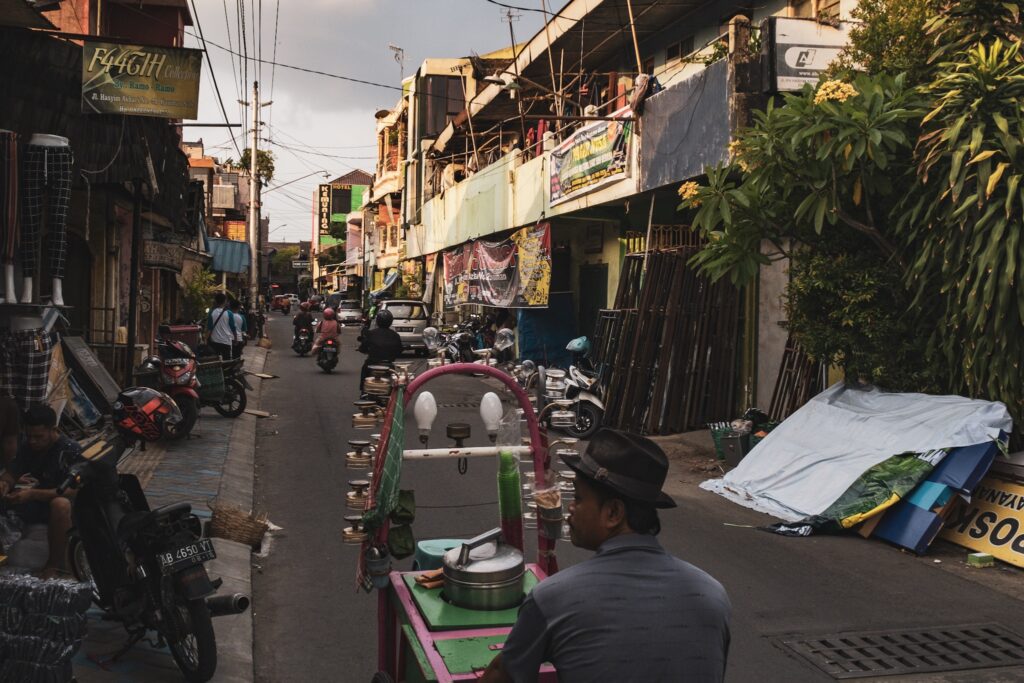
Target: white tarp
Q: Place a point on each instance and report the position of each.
(809, 460)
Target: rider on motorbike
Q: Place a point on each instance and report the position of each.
(302, 320)
(329, 329)
(382, 345)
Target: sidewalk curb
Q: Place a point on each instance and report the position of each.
(234, 560)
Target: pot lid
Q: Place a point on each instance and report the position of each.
(484, 559)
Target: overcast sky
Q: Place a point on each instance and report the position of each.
(315, 115)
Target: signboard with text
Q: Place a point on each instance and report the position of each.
(323, 210)
(593, 156)
(992, 522)
(140, 80)
(300, 265)
(803, 49)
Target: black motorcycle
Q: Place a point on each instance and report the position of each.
(303, 342)
(327, 359)
(147, 565)
(233, 401)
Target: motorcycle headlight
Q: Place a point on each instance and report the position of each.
(186, 377)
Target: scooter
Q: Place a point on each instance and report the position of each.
(303, 342)
(582, 386)
(147, 565)
(327, 359)
(232, 403)
(175, 368)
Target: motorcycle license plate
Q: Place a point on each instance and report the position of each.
(184, 557)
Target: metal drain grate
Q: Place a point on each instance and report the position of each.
(907, 651)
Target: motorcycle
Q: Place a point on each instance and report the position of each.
(173, 369)
(583, 387)
(303, 342)
(147, 566)
(232, 403)
(454, 345)
(327, 359)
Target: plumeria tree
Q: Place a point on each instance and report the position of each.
(899, 200)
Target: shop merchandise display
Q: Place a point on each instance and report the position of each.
(47, 172)
(42, 624)
(9, 222)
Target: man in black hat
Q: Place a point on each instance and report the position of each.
(633, 612)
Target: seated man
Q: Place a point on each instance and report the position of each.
(40, 466)
(633, 612)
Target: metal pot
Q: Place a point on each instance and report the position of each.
(484, 573)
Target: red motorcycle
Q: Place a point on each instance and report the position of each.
(173, 371)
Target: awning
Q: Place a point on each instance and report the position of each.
(389, 281)
(229, 256)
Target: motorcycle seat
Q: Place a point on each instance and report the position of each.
(133, 522)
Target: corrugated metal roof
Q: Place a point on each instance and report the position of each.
(202, 162)
(229, 256)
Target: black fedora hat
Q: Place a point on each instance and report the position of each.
(632, 465)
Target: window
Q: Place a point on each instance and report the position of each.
(404, 311)
(679, 50)
(802, 9)
(440, 100)
(341, 199)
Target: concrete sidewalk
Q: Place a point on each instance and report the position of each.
(215, 463)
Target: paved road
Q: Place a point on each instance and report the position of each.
(311, 625)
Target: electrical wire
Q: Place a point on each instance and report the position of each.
(227, 30)
(273, 58)
(216, 87)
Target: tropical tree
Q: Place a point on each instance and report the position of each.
(899, 200)
(264, 164)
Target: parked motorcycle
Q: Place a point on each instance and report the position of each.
(147, 566)
(303, 342)
(172, 370)
(232, 403)
(327, 359)
(583, 387)
(454, 344)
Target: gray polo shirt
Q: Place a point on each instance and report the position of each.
(633, 612)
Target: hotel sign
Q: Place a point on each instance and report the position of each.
(140, 80)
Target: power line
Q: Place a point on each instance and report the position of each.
(216, 87)
(307, 151)
(273, 58)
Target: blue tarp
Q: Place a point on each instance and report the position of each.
(544, 332)
(229, 256)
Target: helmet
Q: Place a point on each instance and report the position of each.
(579, 345)
(304, 306)
(144, 413)
(328, 314)
(150, 364)
(385, 318)
(504, 339)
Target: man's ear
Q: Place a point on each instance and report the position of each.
(614, 513)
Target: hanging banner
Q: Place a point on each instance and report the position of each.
(140, 80)
(593, 156)
(513, 273)
(323, 210)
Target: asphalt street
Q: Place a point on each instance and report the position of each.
(312, 624)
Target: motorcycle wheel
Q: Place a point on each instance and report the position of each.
(195, 648)
(234, 401)
(588, 420)
(189, 408)
(78, 563)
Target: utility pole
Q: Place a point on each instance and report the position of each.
(254, 199)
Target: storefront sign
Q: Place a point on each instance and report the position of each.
(802, 50)
(593, 156)
(235, 230)
(162, 255)
(513, 273)
(140, 80)
(300, 265)
(992, 522)
(323, 208)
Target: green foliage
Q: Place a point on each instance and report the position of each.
(964, 219)
(264, 164)
(813, 162)
(197, 293)
(848, 309)
(888, 37)
(281, 262)
(903, 199)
